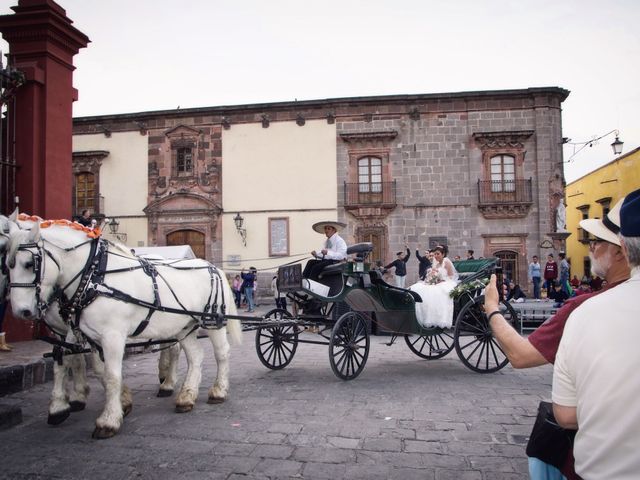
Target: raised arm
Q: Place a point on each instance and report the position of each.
(518, 350)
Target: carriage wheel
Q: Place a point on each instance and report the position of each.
(475, 344)
(431, 347)
(277, 345)
(349, 346)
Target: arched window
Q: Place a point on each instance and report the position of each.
(503, 173)
(370, 179)
(85, 190)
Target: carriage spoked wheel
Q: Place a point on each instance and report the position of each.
(431, 347)
(276, 345)
(349, 346)
(475, 344)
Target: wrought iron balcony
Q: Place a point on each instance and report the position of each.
(382, 194)
(505, 198)
(504, 191)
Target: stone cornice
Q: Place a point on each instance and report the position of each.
(507, 138)
(384, 135)
(91, 154)
(318, 109)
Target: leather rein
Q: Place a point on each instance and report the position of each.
(92, 284)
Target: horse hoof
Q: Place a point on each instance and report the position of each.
(165, 393)
(58, 418)
(77, 405)
(126, 410)
(215, 400)
(183, 408)
(103, 432)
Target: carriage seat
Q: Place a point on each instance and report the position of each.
(359, 249)
(377, 279)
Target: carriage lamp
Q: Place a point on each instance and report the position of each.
(113, 226)
(238, 220)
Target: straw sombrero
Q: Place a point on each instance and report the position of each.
(319, 227)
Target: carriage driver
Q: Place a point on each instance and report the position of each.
(334, 250)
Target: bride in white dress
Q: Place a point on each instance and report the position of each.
(436, 308)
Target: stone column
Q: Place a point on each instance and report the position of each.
(42, 44)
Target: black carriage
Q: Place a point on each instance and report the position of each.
(350, 302)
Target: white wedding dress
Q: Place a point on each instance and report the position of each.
(436, 308)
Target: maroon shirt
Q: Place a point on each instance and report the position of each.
(550, 270)
(546, 338)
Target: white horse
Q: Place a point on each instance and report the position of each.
(44, 261)
(72, 398)
(61, 404)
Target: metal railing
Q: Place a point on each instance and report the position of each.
(504, 191)
(382, 193)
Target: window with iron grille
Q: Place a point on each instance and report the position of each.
(85, 192)
(503, 173)
(184, 164)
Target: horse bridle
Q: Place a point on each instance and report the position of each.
(38, 271)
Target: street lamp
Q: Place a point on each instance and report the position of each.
(238, 220)
(616, 145)
(113, 226)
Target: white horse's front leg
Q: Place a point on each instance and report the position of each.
(59, 408)
(218, 392)
(168, 370)
(78, 396)
(189, 393)
(125, 397)
(110, 421)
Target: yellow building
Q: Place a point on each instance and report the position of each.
(592, 196)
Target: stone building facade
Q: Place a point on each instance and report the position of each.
(474, 170)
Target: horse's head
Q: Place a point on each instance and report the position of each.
(33, 270)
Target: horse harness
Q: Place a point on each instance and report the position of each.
(92, 284)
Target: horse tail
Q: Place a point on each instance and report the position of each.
(234, 327)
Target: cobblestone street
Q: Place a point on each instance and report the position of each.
(404, 417)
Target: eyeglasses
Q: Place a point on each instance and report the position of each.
(595, 241)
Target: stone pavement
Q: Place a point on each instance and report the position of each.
(403, 417)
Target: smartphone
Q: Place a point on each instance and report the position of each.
(498, 272)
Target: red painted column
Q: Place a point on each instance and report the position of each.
(42, 44)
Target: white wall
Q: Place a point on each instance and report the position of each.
(285, 170)
(123, 178)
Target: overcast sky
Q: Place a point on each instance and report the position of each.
(161, 54)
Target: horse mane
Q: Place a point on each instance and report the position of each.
(25, 217)
(91, 232)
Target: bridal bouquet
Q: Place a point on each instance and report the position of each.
(434, 276)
